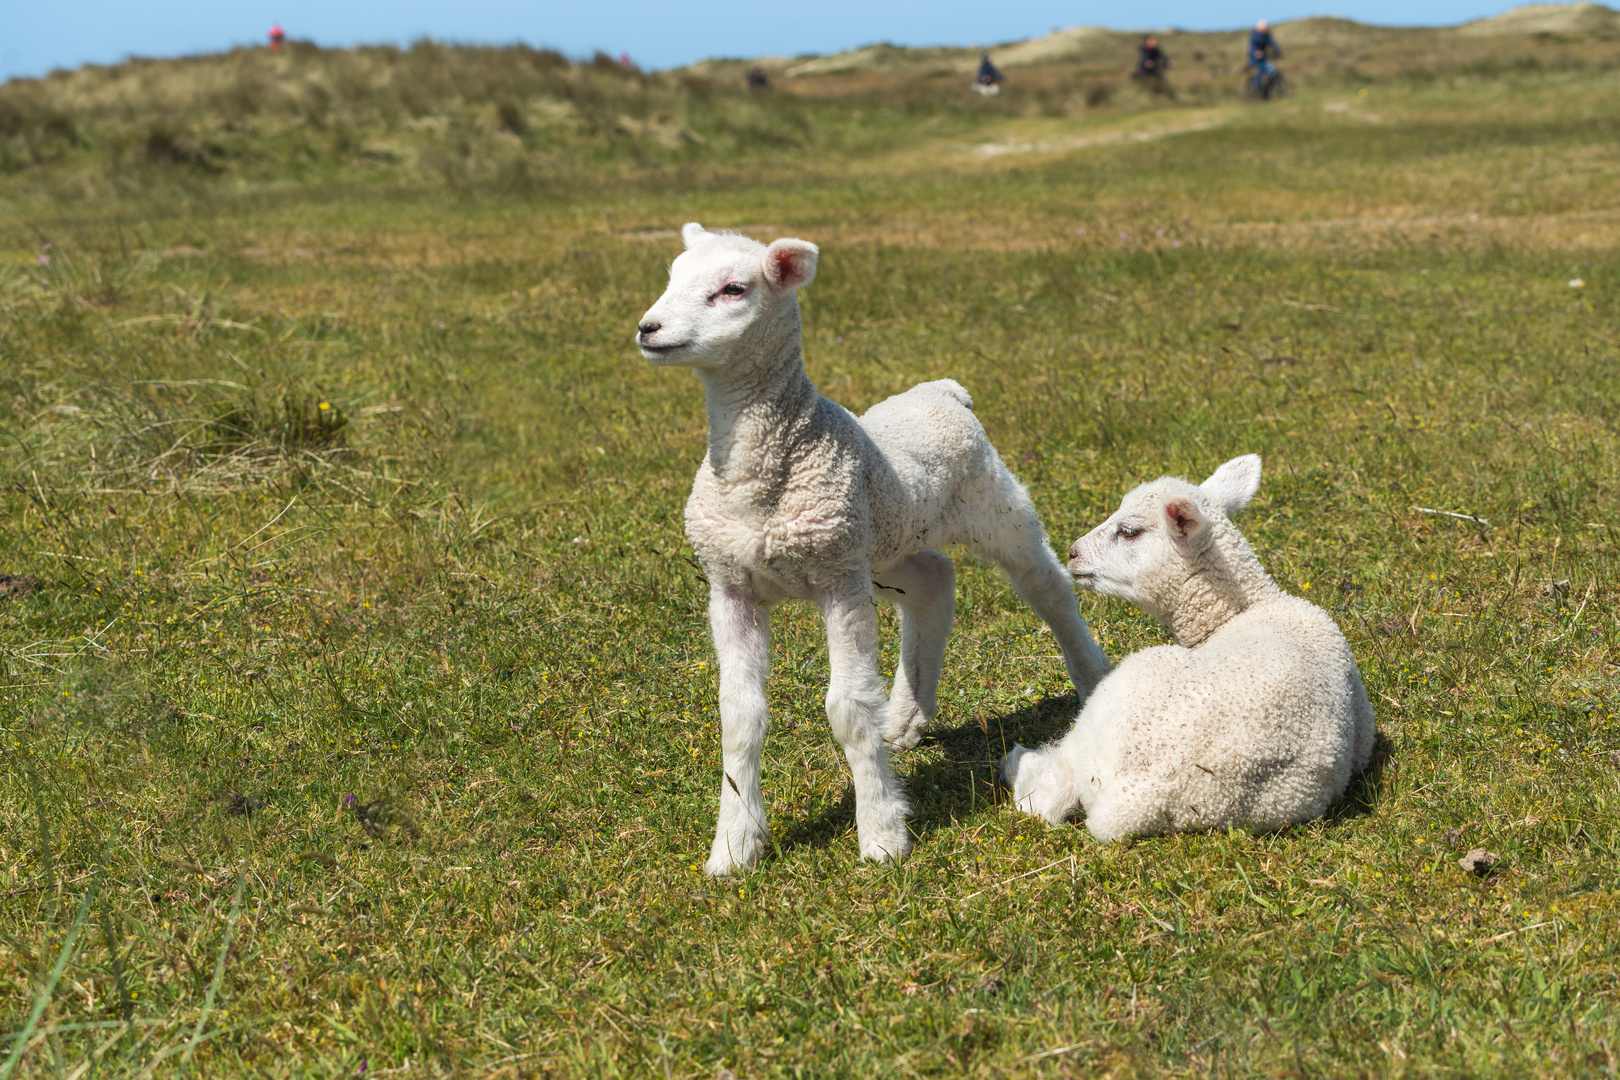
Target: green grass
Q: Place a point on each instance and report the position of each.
(340, 484)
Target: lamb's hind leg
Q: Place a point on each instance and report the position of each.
(855, 705)
(923, 587)
(1014, 538)
(742, 640)
(1042, 781)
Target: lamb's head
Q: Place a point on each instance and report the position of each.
(726, 292)
(1161, 536)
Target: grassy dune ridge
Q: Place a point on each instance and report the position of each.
(357, 699)
(520, 121)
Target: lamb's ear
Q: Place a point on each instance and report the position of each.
(1234, 484)
(1184, 523)
(695, 234)
(790, 264)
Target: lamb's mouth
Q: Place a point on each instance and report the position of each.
(659, 352)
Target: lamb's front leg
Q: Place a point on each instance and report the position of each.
(742, 640)
(856, 705)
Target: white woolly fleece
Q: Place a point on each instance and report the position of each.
(797, 498)
(1256, 718)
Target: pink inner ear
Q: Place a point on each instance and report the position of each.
(786, 271)
(1180, 514)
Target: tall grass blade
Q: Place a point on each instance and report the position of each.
(44, 997)
(219, 972)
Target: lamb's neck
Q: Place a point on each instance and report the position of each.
(755, 413)
(1227, 581)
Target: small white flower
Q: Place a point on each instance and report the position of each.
(1576, 283)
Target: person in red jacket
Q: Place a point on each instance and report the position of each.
(276, 37)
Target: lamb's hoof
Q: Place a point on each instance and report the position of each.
(1083, 694)
(733, 855)
(722, 866)
(1028, 775)
(1009, 765)
(908, 740)
(891, 845)
(905, 727)
(1099, 671)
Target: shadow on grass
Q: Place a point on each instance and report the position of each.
(1361, 797)
(950, 788)
(964, 782)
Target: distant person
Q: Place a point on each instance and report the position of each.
(1262, 48)
(276, 37)
(757, 79)
(624, 60)
(1151, 63)
(989, 81)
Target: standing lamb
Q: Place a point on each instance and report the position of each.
(797, 498)
(1255, 718)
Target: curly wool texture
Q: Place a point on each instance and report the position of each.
(805, 495)
(1256, 718)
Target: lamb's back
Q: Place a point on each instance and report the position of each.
(932, 446)
(1282, 672)
(1258, 725)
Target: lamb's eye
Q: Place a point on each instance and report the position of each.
(736, 288)
(1129, 532)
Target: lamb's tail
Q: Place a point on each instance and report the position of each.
(953, 390)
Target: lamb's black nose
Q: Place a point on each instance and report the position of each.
(1074, 550)
(649, 328)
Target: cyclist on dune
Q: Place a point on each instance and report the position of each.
(989, 80)
(1151, 64)
(1262, 48)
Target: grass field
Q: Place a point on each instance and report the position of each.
(357, 698)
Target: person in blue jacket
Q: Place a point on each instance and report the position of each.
(1151, 63)
(1262, 48)
(988, 74)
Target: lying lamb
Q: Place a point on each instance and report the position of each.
(797, 498)
(1256, 718)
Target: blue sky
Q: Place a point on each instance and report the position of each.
(38, 35)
